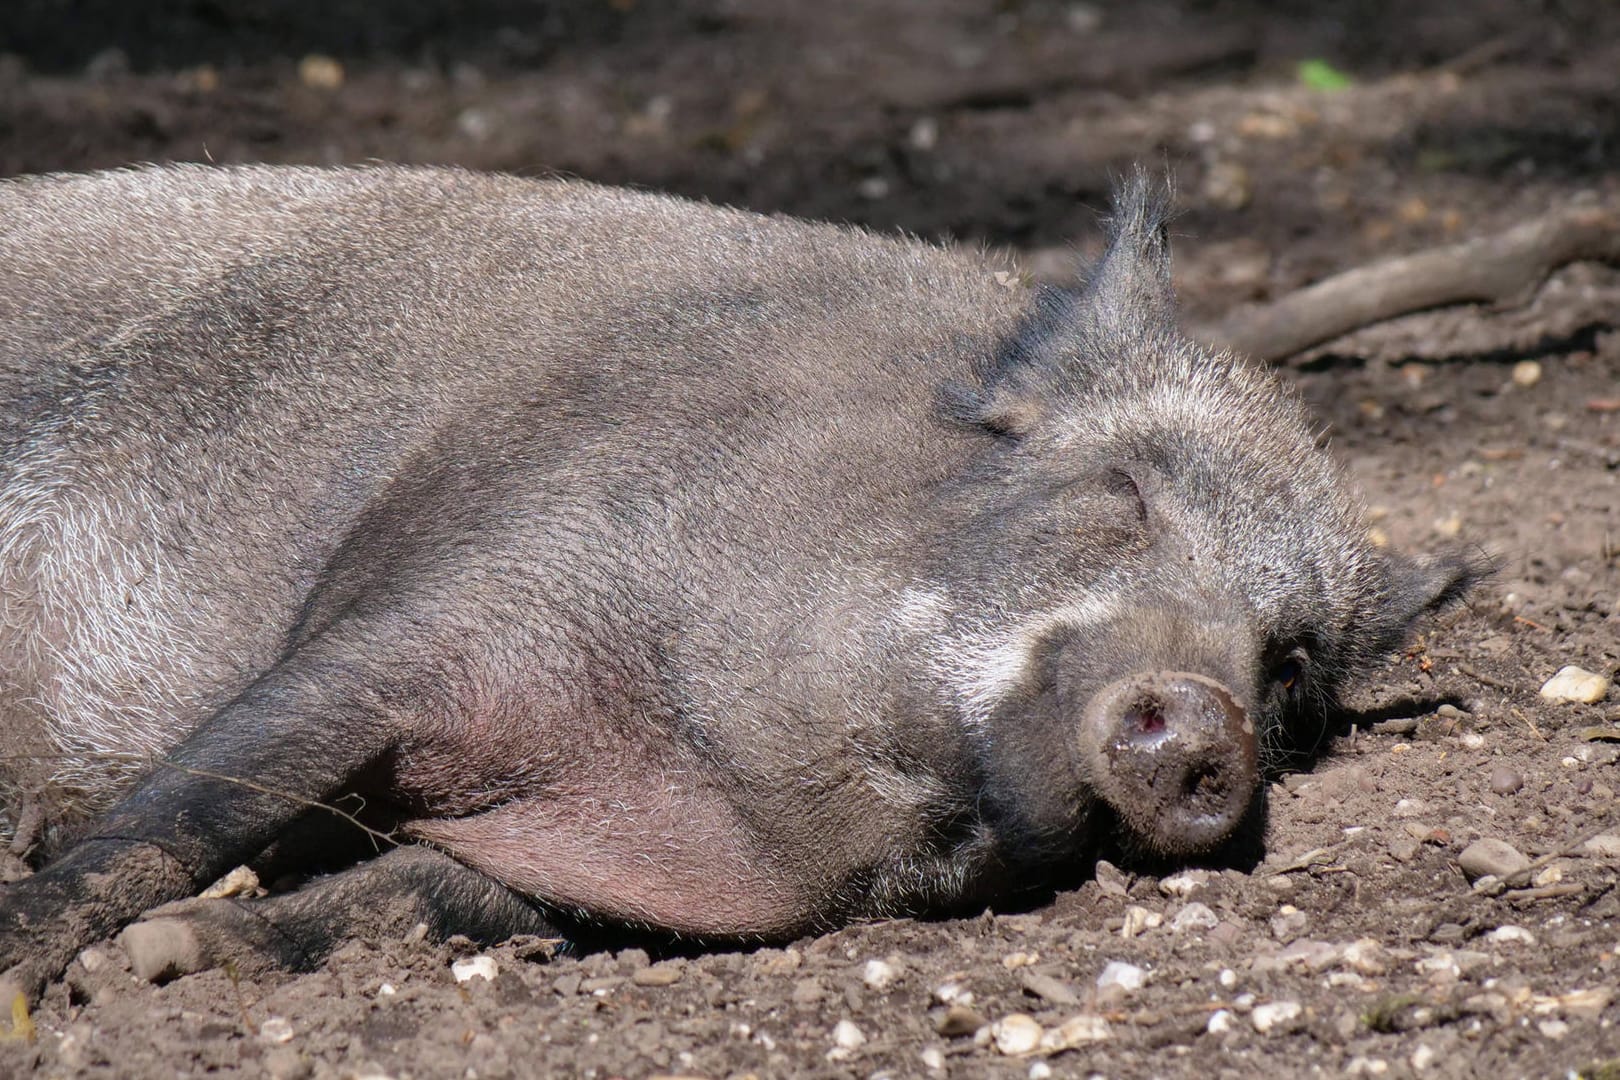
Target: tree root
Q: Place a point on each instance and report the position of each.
(1504, 269)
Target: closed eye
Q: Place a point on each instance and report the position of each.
(1123, 484)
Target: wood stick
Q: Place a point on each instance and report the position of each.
(1498, 269)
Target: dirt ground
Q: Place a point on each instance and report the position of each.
(1359, 947)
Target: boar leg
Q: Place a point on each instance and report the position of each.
(381, 900)
(299, 734)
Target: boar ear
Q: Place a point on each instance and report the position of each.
(1429, 583)
(1131, 284)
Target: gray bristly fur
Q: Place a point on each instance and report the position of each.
(631, 494)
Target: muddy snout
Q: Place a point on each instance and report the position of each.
(1174, 756)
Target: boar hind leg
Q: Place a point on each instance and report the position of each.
(378, 901)
(301, 733)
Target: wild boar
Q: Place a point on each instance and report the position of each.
(628, 561)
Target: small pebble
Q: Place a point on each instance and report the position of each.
(1076, 1031)
(1602, 846)
(1227, 978)
(1553, 1029)
(239, 882)
(1526, 373)
(846, 1036)
(1274, 1014)
(1422, 1057)
(1511, 935)
(1491, 856)
(474, 967)
(1575, 684)
(1506, 780)
(1471, 740)
(320, 72)
(933, 1058)
(93, 959)
(1366, 956)
(657, 975)
(1040, 1070)
(1138, 919)
(878, 974)
(1045, 986)
(1194, 916)
(1016, 1034)
(1184, 884)
(960, 1020)
(276, 1029)
(1220, 1022)
(1127, 977)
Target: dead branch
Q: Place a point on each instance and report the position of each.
(1499, 269)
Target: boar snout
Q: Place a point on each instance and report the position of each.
(1174, 756)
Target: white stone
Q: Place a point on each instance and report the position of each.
(846, 1036)
(1138, 919)
(1040, 1070)
(1366, 1066)
(933, 1058)
(475, 967)
(1270, 1015)
(1127, 977)
(1184, 884)
(878, 974)
(1489, 855)
(1575, 684)
(1512, 935)
(1016, 1034)
(953, 993)
(1422, 1057)
(1552, 1029)
(239, 882)
(1077, 1031)
(1471, 740)
(386, 990)
(1195, 916)
(1227, 978)
(1220, 1022)
(276, 1029)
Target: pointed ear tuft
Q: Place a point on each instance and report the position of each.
(1131, 284)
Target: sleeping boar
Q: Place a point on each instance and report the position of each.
(620, 561)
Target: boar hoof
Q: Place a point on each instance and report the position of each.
(189, 936)
(162, 949)
(1175, 757)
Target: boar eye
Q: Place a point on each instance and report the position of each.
(1123, 484)
(1288, 673)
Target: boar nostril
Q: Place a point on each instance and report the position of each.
(1205, 783)
(1146, 717)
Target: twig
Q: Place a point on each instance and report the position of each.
(1488, 680)
(1498, 269)
(1529, 723)
(313, 804)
